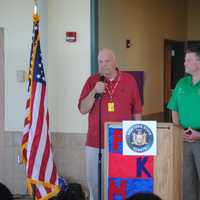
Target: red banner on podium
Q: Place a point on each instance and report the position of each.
(125, 175)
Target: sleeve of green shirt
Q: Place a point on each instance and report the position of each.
(173, 104)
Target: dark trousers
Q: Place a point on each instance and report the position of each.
(191, 170)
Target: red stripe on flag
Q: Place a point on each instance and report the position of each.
(54, 174)
(48, 190)
(37, 194)
(25, 138)
(32, 99)
(47, 118)
(45, 159)
(24, 153)
(37, 135)
(26, 121)
(27, 103)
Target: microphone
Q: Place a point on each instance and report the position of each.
(99, 95)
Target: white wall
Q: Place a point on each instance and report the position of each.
(16, 19)
(68, 64)
(42, 10)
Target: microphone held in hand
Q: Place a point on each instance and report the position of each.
(99, 95)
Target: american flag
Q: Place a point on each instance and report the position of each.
(41, 172)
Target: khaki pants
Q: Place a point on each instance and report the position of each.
(92, 171)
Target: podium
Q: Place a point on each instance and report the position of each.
(167, 164)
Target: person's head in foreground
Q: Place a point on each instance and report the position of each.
(144, 196)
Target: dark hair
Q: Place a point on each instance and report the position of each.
(5, 193)
(144, 196)
(193, 48)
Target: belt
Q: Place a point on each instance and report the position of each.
(195, 129)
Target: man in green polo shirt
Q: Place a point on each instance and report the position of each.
(185, 106)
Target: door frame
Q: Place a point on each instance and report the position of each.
(167, 65)
(94, 27)
(167, 68)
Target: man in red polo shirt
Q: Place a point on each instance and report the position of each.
(120, 101)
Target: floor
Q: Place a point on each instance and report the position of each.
(22, 197)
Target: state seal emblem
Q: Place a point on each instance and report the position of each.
(139, 138)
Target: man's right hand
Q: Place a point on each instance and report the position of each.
(191, 135)
(99, 88)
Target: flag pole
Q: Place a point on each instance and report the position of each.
(34, 191)
(35, 7)
(35, 12)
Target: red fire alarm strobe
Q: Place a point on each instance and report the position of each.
(71, 36)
